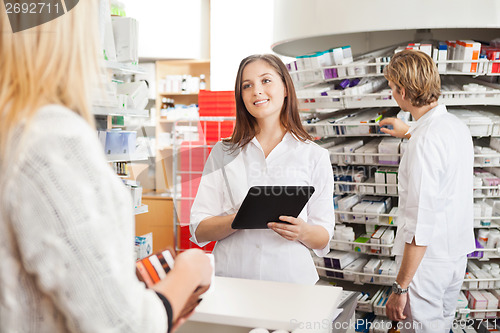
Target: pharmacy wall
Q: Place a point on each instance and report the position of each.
(237, 29)
(171, 29)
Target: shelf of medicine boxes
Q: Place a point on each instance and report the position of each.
(309, 100)
(365, 70)
(358, 278)
(335, 242)
(359, 190)
(492, 225)
(115, 110)
(384, 99)
(328, 128)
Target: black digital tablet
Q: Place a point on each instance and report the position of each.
(264, 204)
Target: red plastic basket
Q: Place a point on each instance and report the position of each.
(192, 160)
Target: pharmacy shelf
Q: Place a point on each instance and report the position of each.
(468, 311)
(126, 157)
(492, 225)
(336, 248)
(347, 126)
(485, 165)
(178, 93)
(338, 182)
(336, 241)
(358, 274)
(141, 209)
(365, 154)
(366, 70)
(497, 154)
(357, 191)
(122, 68)
(477, 196)
(101, 110)
(171, 121)
(365, 214)
(367, 253)
(384, 100)
(367, 223)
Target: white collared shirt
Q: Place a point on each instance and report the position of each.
(263, 254)
(435, 187)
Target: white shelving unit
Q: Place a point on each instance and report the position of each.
(121, 68)
(301, 29)
(106, 112)
(331, 104)
(188, 159)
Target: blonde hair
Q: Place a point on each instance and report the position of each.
(53, 63)
(417, 73)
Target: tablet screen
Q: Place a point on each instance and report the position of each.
(264, 204)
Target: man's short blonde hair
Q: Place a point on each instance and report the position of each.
(417, 73)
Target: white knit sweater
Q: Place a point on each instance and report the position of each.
(66, 237)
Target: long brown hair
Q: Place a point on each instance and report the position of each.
(244, 129)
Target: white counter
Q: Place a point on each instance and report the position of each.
(238, 305)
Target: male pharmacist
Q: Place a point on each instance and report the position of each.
(435, 221)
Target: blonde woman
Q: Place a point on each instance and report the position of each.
(66, 226)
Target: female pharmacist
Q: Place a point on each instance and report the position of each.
(268, 147)
(66, 225)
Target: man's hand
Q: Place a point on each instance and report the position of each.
(395, 306)
(399, 127)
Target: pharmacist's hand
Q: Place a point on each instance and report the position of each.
(399, 127)
(395, 306)
(292, 231)
(196, 262)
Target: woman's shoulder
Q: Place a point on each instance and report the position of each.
(225, 148)
(57, 120)
(312, 147)
(55, 129)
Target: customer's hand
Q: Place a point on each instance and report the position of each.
(189, 308)
(399, 127)
(293, 231)
(395, 306)
(197, 263)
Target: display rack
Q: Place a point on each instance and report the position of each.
(320, 106)
(188, 159)
(195, 68)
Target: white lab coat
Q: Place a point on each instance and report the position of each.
(436, 187)
(263, 254)
(436, 209)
